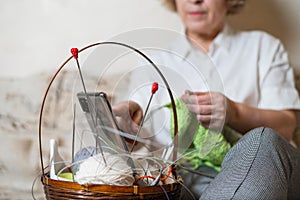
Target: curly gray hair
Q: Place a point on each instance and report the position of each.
(234, 6)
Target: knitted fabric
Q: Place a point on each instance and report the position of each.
(208, 147)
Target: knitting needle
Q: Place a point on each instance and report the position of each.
(74, 52)
(73, 139)
(153, 91)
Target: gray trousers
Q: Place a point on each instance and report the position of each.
(262, 165)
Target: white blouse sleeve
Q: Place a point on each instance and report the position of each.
(277, 83)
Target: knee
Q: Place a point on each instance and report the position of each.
(265, 139)
(271, 135)
(264, 135)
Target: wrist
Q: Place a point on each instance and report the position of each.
(232, 113)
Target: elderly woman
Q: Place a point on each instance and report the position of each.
(259, 102)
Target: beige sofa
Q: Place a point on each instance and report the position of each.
(20, 106)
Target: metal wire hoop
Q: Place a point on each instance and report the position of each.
(138, 52)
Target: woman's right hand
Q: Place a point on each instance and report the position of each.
(129, 115)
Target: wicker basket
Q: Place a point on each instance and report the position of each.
(59, 189)
(56, 189)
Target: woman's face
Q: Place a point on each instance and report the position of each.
(202, 17)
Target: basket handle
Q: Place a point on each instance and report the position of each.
(140, 53)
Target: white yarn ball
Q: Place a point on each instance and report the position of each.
(93, 170)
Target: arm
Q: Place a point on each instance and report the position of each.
(213, 109)
(277, 97)
(243, 118)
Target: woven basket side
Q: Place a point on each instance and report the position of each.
(61, 190)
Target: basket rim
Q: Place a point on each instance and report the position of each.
(111, 189)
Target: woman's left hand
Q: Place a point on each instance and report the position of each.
(211, 108)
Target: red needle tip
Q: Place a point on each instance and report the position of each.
(74, 52)
(154, 87)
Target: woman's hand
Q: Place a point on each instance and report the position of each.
(214, 110)
(129, 115)
(211, 108)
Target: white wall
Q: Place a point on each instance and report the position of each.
(281, 18)
(36, 35)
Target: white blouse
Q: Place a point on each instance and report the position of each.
(250, 67)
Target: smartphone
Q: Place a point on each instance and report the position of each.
(101, 118)
(102, 121)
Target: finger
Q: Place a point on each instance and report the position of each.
(209, 121)
(137, 116)
(186, 97)
(215, 126)
(198, 98)
(123, 124)
(204, 118)
(134, 127)
(203, 98)
(201, 109)
(211, 125)
(117, 110)
(189, 99)
(197, 93)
